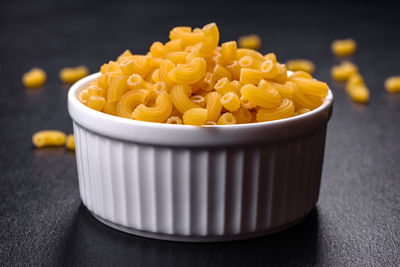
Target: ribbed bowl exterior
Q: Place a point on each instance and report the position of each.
(199, 193)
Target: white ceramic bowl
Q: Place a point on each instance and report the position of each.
(199, 184)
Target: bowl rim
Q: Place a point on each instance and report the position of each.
(97, 121)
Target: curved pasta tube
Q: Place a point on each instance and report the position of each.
(117, 88)
(230, 101)
(234, 69)
(34, 78)
(228, 51)
(48, 138)
(300, 65)
(270, 56)
(226, 119)
(70, 142)
(220, 72)
(305, 101)
(141, 65)
(211, 39)
(96, 102)
(246, 103)
(269, 69)
(224, 86)
(157, 49)
(300, 74)
(110, 108)
(185, 33)
(195, 116)
(180, 98)
(174, 120)
(264, 95)
(177, 56)
(281, 77)
(285, 110)
(213, 106)
(188, 73)
(130, 100)
(285, 90)
(165, 67)
(83, 96)
(249, 62)
(311, 87)
(159, 113)
(199, 100)
(242, 115)
(174, 45)
(252, 76)
(241, 52)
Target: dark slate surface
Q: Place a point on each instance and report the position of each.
(42, 220)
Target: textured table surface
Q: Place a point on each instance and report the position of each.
(42, 220)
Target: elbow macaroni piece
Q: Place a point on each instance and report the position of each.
(300, 65)
(226, 119)
(34, 78)
(359, 94)
(190, 79)
(285, 110)
(252, 41)
(344, 71)
(189, 73)
(195, 116)
(180, 98)
(344, 48)
(72, 75)
(159, 113)
(392, 84)
(70, 142)
(48, 138)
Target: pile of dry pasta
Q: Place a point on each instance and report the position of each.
(192, 80)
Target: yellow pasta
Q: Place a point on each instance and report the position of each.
(186, 35)
(359, 94)
(264, 95)
(252, 76)
(72, 75)
(177, 56)
(252, 41)
(130, 100)
(180, 98)
(226, 119)
(285, 110)
(213, 106)
(70, 142)
(48, 138)
(190, 79)
(117, 88)
(300, 65)
(199, 100)
(311, 87)
(305, 101)
(344, 48)
(221, 72)
(158, 113)
(188, 73)
(392, 84)
(210, 41)
(174, 120)
(228, 51)
(224, 86)
(285, 90)
(234, 69)
(230, 101)
(165, 67)
(300, 74)
(96, 102)
(243, 115)
(344, 71)
(34, 78)
(269, 69)
(354, 80)
(195, 116)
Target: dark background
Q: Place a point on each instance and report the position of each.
(42, 220)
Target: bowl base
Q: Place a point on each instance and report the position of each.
(196, 238)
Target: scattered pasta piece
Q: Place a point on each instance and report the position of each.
(72, 75)
(344, 71)
(344, 48)
(392, 84)
(300, 65)
(70, 142)
(192, 80)
(48, 138)
(359, 94)
(252, 41)
(34, 78)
